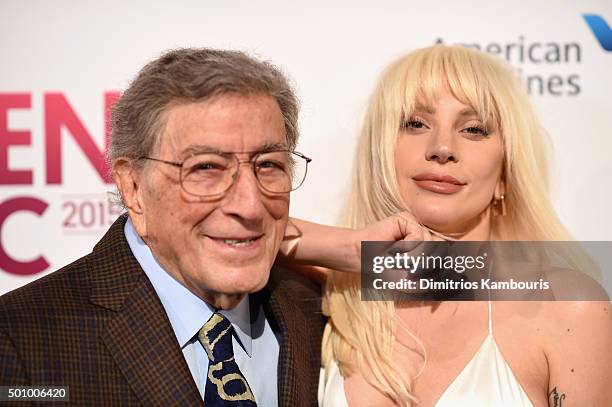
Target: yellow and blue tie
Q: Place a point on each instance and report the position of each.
(225, 384)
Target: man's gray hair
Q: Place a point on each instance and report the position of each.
(192, 75)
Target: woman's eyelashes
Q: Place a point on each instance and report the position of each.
(476, 130)
(414, 123)
(472, 130)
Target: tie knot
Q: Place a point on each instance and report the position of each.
(216, 337)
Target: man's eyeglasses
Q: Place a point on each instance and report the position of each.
(210, 174)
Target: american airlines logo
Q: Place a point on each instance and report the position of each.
(601, 30)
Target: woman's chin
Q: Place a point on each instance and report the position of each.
(440, 221)
(469, 228)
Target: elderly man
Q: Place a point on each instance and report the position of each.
(179, 302)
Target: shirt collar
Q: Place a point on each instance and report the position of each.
(186, 311)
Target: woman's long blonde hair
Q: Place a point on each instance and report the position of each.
(361, 334)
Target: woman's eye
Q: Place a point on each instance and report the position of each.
(414, 124)
(477, 130)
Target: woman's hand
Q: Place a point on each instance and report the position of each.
(402, 228)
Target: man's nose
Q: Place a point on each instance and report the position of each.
(244, 198)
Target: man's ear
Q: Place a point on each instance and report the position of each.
(129, 183)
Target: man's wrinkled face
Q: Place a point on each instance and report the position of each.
(225, 244)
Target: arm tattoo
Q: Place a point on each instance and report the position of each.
(555, 398)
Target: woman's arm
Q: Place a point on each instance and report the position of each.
(307, 244)
(580, 354)
(312, 244)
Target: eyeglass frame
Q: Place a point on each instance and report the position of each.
(250, 161)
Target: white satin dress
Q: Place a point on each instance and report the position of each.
(486, 381)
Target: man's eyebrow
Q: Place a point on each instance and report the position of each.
(272, 147)
(203, 149)
(199, 149)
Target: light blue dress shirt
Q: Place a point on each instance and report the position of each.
(256, 346)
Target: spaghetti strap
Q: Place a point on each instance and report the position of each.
(489, 300)
(490, 317)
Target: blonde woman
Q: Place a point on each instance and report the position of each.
(450, 136)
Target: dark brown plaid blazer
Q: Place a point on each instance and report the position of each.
(98, 327)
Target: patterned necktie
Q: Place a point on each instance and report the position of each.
(225, 384)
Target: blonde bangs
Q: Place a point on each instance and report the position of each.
(420, 77)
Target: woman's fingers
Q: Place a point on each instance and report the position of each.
(404, 233)
(409, 227)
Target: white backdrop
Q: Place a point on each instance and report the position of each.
(61, 59)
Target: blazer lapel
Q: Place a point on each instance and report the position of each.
(297, 380)
(138, 335)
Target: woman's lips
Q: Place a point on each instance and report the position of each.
(441, 184)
